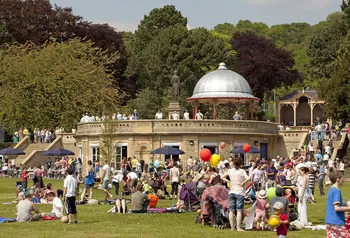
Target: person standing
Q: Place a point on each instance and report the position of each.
(186, 115)
(237, 117)
(174, 177)
(69, 192)
(189, 163)
(159, 115)
(133, 164)
(321, 178)
(89, 181)
(238, 179)
(335, 208)
(106, 171)
(199, 115)
(303, 184)
(271, 173)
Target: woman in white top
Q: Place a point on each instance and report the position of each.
(303, 184)
(174, 177)
(238, 178)
(341, 166)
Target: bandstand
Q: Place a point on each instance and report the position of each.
(223, 87)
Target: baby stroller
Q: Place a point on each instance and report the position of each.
(214, 207)
(250, 193)
(293, 209)
(188, 195)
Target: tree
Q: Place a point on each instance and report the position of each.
(54, 84)
(36, 20)
(264, 66)
(323, 46)
(336, 90)
(108, 150)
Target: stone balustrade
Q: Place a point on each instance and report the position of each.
(179, 127)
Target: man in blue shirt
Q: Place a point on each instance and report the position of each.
(335, 218)
(271, 172)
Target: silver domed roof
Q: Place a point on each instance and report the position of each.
(222, 84)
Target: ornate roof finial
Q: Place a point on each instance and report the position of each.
(222, 66)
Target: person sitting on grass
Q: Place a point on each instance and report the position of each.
(25, 209)
(57, 207)
(139, 201)
(335, 208)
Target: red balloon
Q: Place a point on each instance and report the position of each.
(205, 155)
(222, 145)
(246, 148)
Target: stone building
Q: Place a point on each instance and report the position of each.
(139, 138)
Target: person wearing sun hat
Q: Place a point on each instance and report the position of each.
(260, 212)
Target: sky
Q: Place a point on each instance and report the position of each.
(125, 15)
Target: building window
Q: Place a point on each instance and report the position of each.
(121, 151)
(174, 157)
(95, 154)
(212, 146)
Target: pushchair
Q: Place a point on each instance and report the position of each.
(188, 195)
(250, 193)
(214, 207)
(293, 209)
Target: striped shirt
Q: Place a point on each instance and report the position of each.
(311, 180)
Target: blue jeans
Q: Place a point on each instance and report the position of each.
(236, 202)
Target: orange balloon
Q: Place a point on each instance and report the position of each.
(205, 155)
(246, 148)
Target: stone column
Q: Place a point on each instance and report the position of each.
(294, 105)
(312, 105)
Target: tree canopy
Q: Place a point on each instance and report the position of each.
(54, 84)
(263, 65)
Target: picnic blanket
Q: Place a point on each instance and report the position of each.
(5, 220)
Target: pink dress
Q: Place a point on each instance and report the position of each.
(260, 212)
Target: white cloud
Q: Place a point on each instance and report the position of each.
(119, 26)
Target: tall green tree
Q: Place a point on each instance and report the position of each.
(54, 84)
(336, 89)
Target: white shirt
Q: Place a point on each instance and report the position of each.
(189, 162)
(71, 184)
(186, 116)
(56, 207)
(174, 174)
(120, 116)
(175, 116)
(159, 115)
(132, 175)
(237, 177)
(330, 164)
(86, 118)
(199, 116)
(326, 157)
(118, 178)
(341, 166)
(107, 170)
(327, 149)
(318, 128)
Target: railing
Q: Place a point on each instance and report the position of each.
(180, 127)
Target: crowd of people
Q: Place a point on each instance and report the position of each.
(294, 179)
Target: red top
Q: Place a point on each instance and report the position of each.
(282, 229)
(291, 199)
(24, 175)
(347, 224)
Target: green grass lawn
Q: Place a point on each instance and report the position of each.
(94, 221)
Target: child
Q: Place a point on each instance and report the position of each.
(288, 194)
(260, 213)
(37, 193)
(282, 229)
(347, 220)
(335, 217)
(70, 189)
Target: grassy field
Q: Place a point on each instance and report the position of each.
(94, 221)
